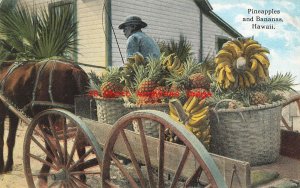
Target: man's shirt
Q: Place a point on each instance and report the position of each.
(140, 42)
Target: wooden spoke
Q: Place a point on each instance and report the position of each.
(84, 172)
(44, 150)
(180, 167)
(162, 156)
(133, 159)
(194, 177)
(43, 161)
(81, 159)
(54, 184)
(146, 153)
(73, 184)
(79, 182)
(65, 144)
(208, 186)
(124, 172)
(62, 184)
(50, 144)
(56, 140)
(42, 174)
(86, 164)
(72, 150)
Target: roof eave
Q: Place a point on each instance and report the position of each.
(206, 7)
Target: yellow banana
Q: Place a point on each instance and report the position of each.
(175, 63)
(250, 48)
(241, 81)
(222, 59)
(230, 48)
(251, 78)
(221, 76)
(173, 116)
(262, 59)
(197, 122)
(238, 43)
(172, 109)
(226, 84)
(192, 104)
(220, 65)
(186, 104)
(246, 81)
(261, 72)
(229, 74)
(224, 54)
(249, 42)
(253, 65)
(200, 112)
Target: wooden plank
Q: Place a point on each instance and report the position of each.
(231, 169)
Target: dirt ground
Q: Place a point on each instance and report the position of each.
(16, 178)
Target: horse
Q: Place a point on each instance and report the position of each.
(27, 82)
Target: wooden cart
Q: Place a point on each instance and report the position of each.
(116, 155)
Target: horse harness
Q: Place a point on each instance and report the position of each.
(34, 102)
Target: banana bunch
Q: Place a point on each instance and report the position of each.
(173, 64)
(197, 121)
(241, 63)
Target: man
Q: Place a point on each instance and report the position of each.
(137, 41)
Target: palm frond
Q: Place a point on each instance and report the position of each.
(182, 48)
(56, 34)
(18, 28)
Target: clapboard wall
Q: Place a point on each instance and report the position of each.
(166, 19)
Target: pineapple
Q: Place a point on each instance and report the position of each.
(111, 86)
(182, 80)
(146, 80)
(199, 80)
(257, 98)
(159, 93)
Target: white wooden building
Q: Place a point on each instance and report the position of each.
(98, 22)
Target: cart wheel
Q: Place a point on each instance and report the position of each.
(295, 100)
(154, 161)
(60, 151)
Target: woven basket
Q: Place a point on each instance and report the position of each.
(250, 134)
(109, 110)
(150, 127)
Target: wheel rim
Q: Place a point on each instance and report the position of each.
(148, 178)
(295, 100)
(51, 140)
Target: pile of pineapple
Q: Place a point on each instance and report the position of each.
(242, 73)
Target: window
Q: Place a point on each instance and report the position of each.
(220, 40)
(60, 5)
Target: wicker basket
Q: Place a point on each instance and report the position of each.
(250, 134)
(150, 127)
(109, 110)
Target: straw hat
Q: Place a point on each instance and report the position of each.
(134, 20)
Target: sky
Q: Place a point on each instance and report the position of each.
(283, 41)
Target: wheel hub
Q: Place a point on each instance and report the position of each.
(60, 175)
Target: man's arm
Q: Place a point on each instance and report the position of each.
(132, 46)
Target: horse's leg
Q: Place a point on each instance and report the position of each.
(13, 126)
(2, 118)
